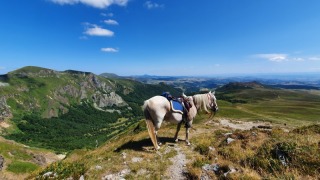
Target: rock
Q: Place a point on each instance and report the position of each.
(118, 176)
(108, 177)
(282, 157)
(1, 162)
(229, 140)
(81, 177)
(142, 172)
(254, 134)
(212, 148)
(108, 100)
(212, 167)
(4, 109)
(98, 167)
(231, 170)
(124, 155)
(136, 159)
(50, 175)
(3, 84)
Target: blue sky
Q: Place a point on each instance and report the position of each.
(161, 37)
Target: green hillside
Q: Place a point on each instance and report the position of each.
(70, 109)
(256, 102)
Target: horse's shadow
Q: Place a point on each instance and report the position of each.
(143, 144)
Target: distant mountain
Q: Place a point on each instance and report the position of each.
(110, 75)
(235, 86)
(192, 84)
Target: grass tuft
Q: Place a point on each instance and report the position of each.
(19, 167)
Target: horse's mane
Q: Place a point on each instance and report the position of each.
(201, 101)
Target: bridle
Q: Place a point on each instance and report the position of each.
(212, 102)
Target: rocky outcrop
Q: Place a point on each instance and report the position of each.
(108, 100)
(4, 109)
(69, 90)
(58, 92)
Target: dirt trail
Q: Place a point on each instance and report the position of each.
(178, 168)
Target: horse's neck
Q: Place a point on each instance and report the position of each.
(199, 101)
(193, 111)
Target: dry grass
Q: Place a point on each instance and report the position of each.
(253, 154)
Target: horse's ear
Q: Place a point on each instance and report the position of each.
(213, 92)
(183, 95)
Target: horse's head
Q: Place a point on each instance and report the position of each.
(212, 102)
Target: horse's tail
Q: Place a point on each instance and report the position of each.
(150, 125)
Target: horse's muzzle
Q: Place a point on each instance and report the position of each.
(214, 108)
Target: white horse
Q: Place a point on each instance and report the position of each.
(158, 108)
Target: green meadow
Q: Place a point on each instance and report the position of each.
(292, 107)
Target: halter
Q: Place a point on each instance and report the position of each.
(210, 98)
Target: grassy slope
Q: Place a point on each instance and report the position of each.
(274, 105)
(20, 159)
(253, 154)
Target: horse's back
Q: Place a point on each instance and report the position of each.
(157, 103)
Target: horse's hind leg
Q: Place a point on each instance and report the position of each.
(152, 134)
(187, 136)
(159, 143)
(178, 129)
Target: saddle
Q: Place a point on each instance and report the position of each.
(179, 105)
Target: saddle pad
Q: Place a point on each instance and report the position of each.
(176, 106)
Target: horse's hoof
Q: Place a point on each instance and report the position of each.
(188, 144)
(177, 140)
(157, 148)
(159, 143)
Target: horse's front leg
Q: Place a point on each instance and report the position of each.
(187, 136)
(178, 129)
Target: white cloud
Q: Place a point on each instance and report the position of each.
(111, 22)
(286, 57)
(109, 50)
(314, 58)
(152, 5)
(273, 57)
(95, 30)
(107, 15)
(298, 59)
(94, 3)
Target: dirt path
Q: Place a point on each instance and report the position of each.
(178, 168)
